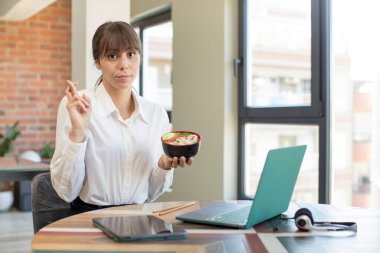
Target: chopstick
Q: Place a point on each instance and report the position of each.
(173, 208)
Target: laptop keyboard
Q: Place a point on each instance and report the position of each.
(238, 216)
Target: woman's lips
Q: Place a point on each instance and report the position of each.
(124, 77)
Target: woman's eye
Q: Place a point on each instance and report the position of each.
(131, 55)
(112, 56)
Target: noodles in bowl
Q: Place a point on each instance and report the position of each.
(181, 143)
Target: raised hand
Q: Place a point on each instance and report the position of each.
(79, 108)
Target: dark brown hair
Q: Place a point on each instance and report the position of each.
(114, 36)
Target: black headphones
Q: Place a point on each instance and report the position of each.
(305, 222)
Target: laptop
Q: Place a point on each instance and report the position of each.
(272, 198)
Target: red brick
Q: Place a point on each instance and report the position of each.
(38, 24)
(23, 60)
(12, 23)
(51, 92)
(58, 56)
(48, 121)
(64, 27)
(27, 76)
(39, 54)
(18, 53)
(62, 40)
(46, 135)
(58, 69)
(50, 33)
(7, 60)
(6, 120)
(27, 31)
(7, 90)
(27, 113)
(18, 98)
(48, 18)
(8, 105)
(7, 44)
(9, 76)
(48, 62)
(16, 68)
(29, 90)
(49, 47)
(38, 69)
(25, 105)
(38, 84)
(17, 37)
(48, 77)
(28, 121)
(26, 46)
(29, 135)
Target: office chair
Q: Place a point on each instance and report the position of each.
(47, 206)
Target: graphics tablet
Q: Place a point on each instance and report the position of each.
(138, 228)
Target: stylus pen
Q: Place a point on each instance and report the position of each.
(174, 208)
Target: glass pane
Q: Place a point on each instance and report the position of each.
(356, 103)
(157, 60)
(280, 50)
(260, 138)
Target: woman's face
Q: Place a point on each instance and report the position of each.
(119, 69)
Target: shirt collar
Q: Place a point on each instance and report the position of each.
(107, 107)
(104, 101)
(139, 108)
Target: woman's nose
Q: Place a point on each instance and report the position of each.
(124, 62)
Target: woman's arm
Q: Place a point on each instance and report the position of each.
(67, 166)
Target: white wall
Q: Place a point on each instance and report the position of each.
(87, 16)
(20, 10)
(204, 92)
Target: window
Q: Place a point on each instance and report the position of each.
(155, 82)
(282, 99)
(355, 100)
(262, 137)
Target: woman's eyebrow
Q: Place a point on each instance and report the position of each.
(113, 51)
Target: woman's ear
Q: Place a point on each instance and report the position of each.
(97, 64)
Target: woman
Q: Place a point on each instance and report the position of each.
(108, 149)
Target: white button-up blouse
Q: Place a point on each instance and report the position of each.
(118, 161)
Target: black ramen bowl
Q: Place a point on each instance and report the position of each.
(181, 143)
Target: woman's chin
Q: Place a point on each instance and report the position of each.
(120, 85)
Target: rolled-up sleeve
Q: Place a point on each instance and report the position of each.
(160, 180)
(67, 166)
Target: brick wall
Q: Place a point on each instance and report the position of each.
(35, 59)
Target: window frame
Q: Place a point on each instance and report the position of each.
(146, 22)
(316, 114)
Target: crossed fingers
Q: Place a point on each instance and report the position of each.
(75, 100)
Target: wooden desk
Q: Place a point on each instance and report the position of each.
(76, 233)
(22, 172)
(12, 169)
